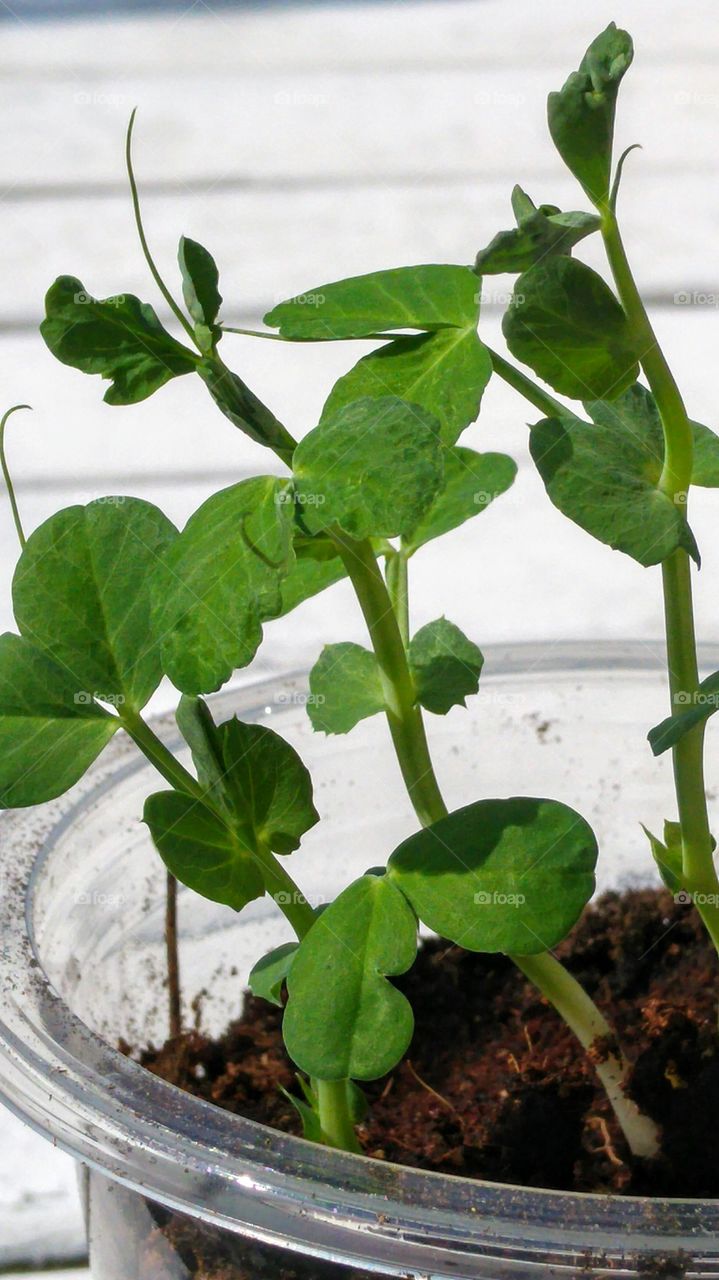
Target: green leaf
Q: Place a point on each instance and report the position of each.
(200, 279)
(120, 338)
(242, 407)
(444, 373)
(202, 850)
(49, 733)
(581, 115)
(471, 481)
(269, 975)
(567, 325)
(705, 469)
(603, 477)
(500, 875)
(308, 1109)
(667, 854)
(224, 575)
(636, 411)
(317, 566)
(691, 709)
(445, 666)
(373, 468)
(83, 590)
(344, 1019)
(255, 776)
(345, 687)
(425, 297)
(538, 234)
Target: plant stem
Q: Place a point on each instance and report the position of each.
(404, 717)
(279, 337)
(8, 478)
(699, 873)
(335, 1117)
(397, 588)
(591, 1029)
(173, 957)
(527, 387)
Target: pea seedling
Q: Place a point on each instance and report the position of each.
(109, 597)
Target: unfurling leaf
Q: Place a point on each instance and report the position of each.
(200, 280)
(50, 731)
(538, 234)
(224, 575)
(471, 482)
(253, 775)
(83, 591)
(243, 408)
(500, 875)
(604, 478)
(667, 854)
(119, 338)
(269, 975)
(373, 468)
(445, 666)
(581, 114)
(344, 1019)
(444, 373)
(425, 297)
(692, 708)
(567, 325)
(345, 687)
(203, 850)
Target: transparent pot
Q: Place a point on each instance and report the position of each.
(174, 1187)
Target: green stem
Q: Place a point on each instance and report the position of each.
(527, 387)
(700, 876)
(410, 742)
(8, 478)
(335, 1116)
(595, 1034)
(333, 1102)
(397, 588)
(279, 337)
(403, 715)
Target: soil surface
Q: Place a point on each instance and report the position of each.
(494, 1085)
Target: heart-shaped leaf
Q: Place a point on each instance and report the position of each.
(471, 481)
(635, 411)
(581, 114)
(500, 875)
(120, 338)
(50, 731)
(538, 234)
(344, 1019)
(604, 478)
(269, 975)
(425, 297)
(691, 709)
(567, 325)
(444, 373)
(203, 850)
(253, 774)
(345, 687)
(83, 589)
(373, 468)
(445, 666)
(224, 575)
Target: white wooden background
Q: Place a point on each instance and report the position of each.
(301, 145)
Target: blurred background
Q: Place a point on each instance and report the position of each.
(301, 143)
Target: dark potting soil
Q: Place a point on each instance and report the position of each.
(494, 1085)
